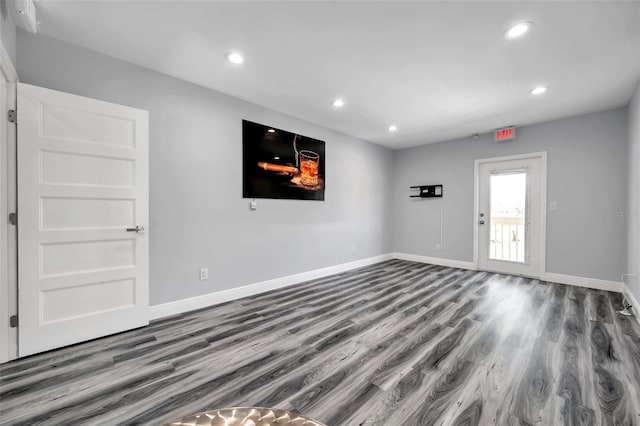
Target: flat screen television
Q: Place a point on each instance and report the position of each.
(281, 164)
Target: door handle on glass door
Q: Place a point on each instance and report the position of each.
(138, 229)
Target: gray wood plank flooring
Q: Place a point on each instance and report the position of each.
(396, 343)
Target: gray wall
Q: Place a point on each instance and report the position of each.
(633, 252)
(198, 215)
(7, 30)
(587, 177)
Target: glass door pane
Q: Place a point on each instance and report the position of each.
(508, 198)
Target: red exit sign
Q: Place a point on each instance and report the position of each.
(504, 134)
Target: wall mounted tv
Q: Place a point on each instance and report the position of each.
(281, 164)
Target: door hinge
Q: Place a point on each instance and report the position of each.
(13, 219)
(13, 321)
(12, 116)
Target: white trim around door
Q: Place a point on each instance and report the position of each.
(8, 235)
(541, 249)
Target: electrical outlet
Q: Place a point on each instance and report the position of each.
(204, 274)
(438, 247)
(553, 205)
(353, 248)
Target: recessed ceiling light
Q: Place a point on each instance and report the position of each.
(538, 90)
(338, 103)
(393, 128)
(271, 131)
(235, 58)
(517, 30)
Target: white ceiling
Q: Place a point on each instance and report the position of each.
(438, 70)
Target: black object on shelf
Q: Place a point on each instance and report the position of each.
(426, 191)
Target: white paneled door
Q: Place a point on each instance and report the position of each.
(83, 253)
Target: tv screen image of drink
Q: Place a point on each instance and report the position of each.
(281, 164)
(308, 168)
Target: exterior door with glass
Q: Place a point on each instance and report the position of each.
(510, 225)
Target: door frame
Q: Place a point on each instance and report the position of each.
(8, 204)
(542, 156)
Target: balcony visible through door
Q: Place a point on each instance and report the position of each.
(508, 215)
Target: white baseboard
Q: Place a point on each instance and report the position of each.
(632, 300)
(435, 261)
(198, 302)
(549, 276)
(584, 282)
(211, 299)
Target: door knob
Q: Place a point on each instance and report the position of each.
(138, 229)
(481, 222)
(481, 214)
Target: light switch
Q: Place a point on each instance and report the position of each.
(253, 205)
(553, 205)
(204, 274)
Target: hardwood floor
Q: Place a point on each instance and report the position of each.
(396, 343)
